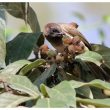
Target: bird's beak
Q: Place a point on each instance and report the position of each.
(60, 34)
(57, 35)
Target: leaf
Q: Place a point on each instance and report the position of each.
(84, 91)
(79, 15)
(40, 40)
(13, 68)
(20, 83)
(104, 51)
(43, 90)
(81, 69)
(25, 12)
(47, 73)
(106, 19)
(96, 72)
(50, 103)
(34, 64)
(99, 84)
(34, 74)
(64, 91)
(98, 93)
(15, 9)
(21, 46)
(68, 92)
(32, 20)
(8, 100)
(2, 39)
(97, 102)
(91, 57)
(95, 83)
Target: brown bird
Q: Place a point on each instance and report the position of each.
(54, 33)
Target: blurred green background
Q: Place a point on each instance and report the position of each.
(93, 19)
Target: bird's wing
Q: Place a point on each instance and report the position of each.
(75, 32)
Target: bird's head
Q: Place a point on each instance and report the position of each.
(53, 30)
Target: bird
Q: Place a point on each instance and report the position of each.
(59, 33)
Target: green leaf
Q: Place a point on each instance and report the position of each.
(25, 12)
(32, 20)
(98, 93)
(34, 64)
(82, 69)
(13, 68)
(8, 100)
(64, 91)
(95, 83)
(97, 72)
(97, 102)
(16, 9)
(43, 90)
(21, 46)
(68, 92)
(50, 103)
(84, 91)
(40, 40)
(20, 83)
(2, 39)
(99, 84)
(34, 74)
(47, 73)
(106, 18)
(104, 51)
(91, 57)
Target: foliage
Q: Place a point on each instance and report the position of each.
(81, 82)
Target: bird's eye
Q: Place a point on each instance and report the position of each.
(55, 30)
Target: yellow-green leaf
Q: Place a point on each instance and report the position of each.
(32, 65)
(20, 83)
(13, 68)
(8, 100)
(91, 56)
(102, 103)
